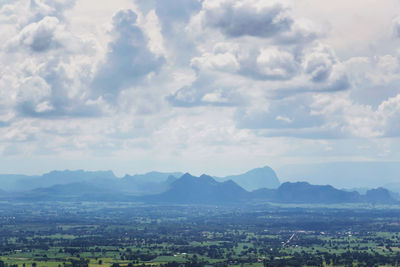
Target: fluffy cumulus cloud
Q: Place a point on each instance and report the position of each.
(257, 49)
(39, 36)
(128, 60)
(247, 18)
(44, 61)
(196, 81)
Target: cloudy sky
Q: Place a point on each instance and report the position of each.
(214, 86)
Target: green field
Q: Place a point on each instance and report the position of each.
(103, 235)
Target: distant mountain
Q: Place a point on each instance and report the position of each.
(25, 183)
(255, 179)
(345, 174)
(379, 195)
(140, 184)
(302, 192)
(205, 190)
(154, 177)
(11, 182)
(265, 194)
(393, 187)
(189, 189)
(73, 192)
(149, 183)
(361, 190)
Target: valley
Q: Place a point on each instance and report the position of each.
(136, 234)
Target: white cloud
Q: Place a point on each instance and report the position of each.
(188, 81)
(129, 59)
(396, 27)
(251, 18)
(276, 64)
(38, 36)
(389, 113)
(220, 62)
(152, 29)
(33, 89)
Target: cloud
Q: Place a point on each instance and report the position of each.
(389, 113)
(34, 90)
(56, 8)
(275, 64)
(175, 11)
(359, 120)
(273, 71)
(128, 60)
(205, 92)
(396, 27)
(374, 79)
(40, 36)
(319, 63)
(246, 18)
(191, 80)
(174, 16)
(45, 66)
(23, 12)
(290, 113)
(259, 45)
(224, 61)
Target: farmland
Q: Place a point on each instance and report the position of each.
(133, 234)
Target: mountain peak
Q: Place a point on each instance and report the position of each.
(304, 192)
(264, 177)
(208, 178)
(379, 195)
(187, 176)
(202, 190)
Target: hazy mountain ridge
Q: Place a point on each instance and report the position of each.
(303, 192)
(138, 184)
(380, 195)
(69, 192)
(147, 184)
(345, 174)
(189, 189)
(183, 189)
(20, 183)
(255, 179)
(201, 190)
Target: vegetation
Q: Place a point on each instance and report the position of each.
(131, 234)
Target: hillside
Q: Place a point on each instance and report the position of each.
(201, 190)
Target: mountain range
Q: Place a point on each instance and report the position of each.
(258, 185)
(345, 174)
(138, 184)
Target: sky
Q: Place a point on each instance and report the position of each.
(206, 86)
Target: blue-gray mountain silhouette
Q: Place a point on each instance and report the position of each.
(302, 192)
(379, 195)
(255, 179)
(146, 184)
(174, 188)
(202, 190)
(19, 183)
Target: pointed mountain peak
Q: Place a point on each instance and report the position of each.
(187, 175)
